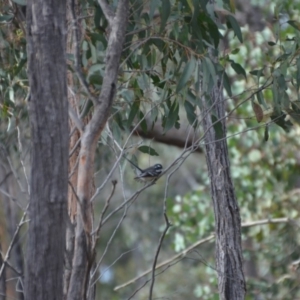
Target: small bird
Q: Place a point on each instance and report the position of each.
(149, 174)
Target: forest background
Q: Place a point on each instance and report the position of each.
(152, 81)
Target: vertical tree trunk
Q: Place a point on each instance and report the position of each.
(48, 107)
(227, 217)
(83, 253)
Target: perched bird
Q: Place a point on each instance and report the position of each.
(149, 174)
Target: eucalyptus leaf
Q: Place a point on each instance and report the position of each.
(190, 113)
(186, 74)
(235, 26)
(238, 69)
(279, 119)
(148, 150)
(172, 116)
(226, 83)
(134, 109)
(20, 2)
(6, 18)
(165, 13)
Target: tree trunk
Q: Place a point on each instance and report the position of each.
(227, 217)
(83, 253)
(48, 107)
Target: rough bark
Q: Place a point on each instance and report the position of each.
(48, 107)
(73, 100)
(227, 217)
(83, 256)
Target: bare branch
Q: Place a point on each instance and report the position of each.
(75, 147)
(13, 170)
(21, 160)
(174, 137)
(13, 240)
(108, 12)
(198, 243)
(78, 123)
(77, 54)
(108, 244)
(114, 183)
(157, 253)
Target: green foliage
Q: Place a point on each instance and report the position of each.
(166, 55)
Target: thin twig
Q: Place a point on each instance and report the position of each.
(200, 242)
(13, 240)
(114, 183)
(162, 271)
(75, 147)
(157, 253)
(15, 174)
(2, 191)
(74, 167)
(76, 120)
(77, 54)
(108, 244)
(120, 156)
(108, 12)
(21, 160)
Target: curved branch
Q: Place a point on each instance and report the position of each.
(183, 253)
(108, 12)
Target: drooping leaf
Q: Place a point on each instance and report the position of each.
(148, 150)
(133, 111)
(295, 111)
(229, 4)
(191, 97)
(186, 74)
(266, 134)
(190, 113)
(153, 6)
(294, 24)
(143, 122)
(6, 18)
(153, 115)
(235, 26)
(226, 83)
(165, 13)
(279, 119)
(257, 73)
(261, 100)
(238, 69)
(190, 4)
(19, 66)
(214, 32)
(211, 68)
(119, 120)
(172, 117)
(128, 95)
(259, 114)
(235, 51)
